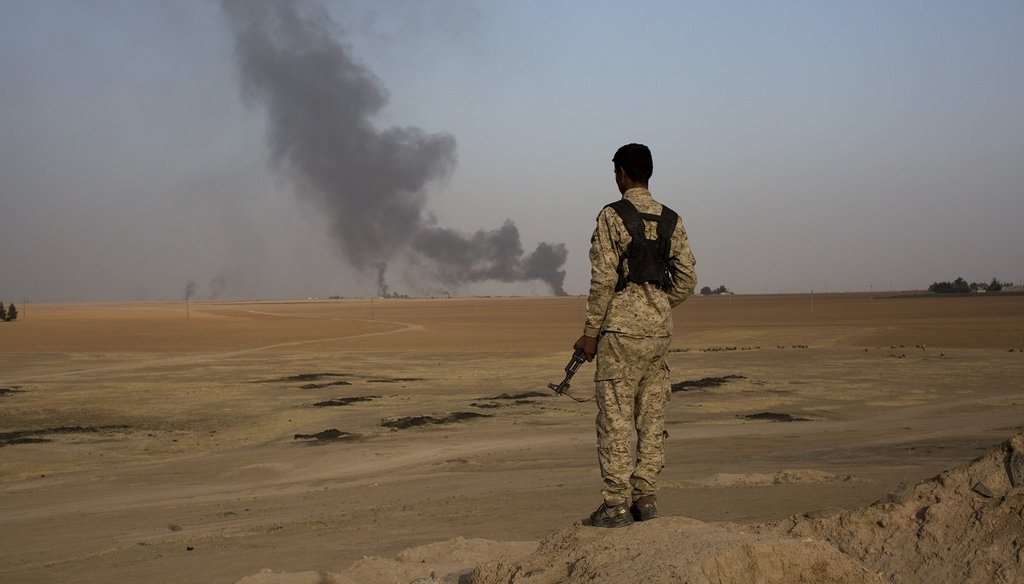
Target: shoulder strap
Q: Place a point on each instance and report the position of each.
(630, 217)
(634, 220)
(667, 224)
(635, 226)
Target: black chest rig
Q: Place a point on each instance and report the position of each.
(646, 259)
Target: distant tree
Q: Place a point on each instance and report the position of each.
(958, 286)
(3, 313)
(995, 285)
(707, 291)
(12, 312)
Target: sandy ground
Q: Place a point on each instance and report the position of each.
(139, 445)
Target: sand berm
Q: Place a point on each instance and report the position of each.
(965, 525)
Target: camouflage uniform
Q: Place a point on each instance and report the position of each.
(634, 326)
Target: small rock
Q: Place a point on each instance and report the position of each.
(922, 513)
(1017, 469)
(899, 493)
(983, 490)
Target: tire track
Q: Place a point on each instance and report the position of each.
(136, 364)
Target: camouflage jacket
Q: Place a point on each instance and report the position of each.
(639, 310)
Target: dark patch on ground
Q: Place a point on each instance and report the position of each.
(344, 401)
(720, 349)
(704, 383)
(303, 377)
(322, 385)
(330, 435)
(38, 436)
(393, 379)
(510, 399)
(519, 396)
(502, 405)
(415, 421)
(9, 390)
(774, 417)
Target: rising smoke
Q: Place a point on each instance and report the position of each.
(190, 290)
(320, 105)
(218, 284)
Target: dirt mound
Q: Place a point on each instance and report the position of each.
(272, 577)
(965, 525)
(446, 562)
(967, 522)
(672, 550)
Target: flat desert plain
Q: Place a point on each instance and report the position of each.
(316, 440)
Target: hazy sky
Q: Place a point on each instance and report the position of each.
(840, 145)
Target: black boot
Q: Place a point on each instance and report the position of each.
(644, 508)
(611, 516)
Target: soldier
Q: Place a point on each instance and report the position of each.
(641, 267)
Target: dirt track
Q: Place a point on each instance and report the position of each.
(163, 448)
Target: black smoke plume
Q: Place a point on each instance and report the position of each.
(190, 290)
(490, 255)
(217, 285)
(320, 104)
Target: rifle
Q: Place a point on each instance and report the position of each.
(570, 369)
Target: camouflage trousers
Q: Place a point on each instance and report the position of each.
(632, 392)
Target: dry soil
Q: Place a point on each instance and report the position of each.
(316, 440)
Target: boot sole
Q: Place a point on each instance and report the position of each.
(623, 522)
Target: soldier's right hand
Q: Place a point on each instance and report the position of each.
(587, 346)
